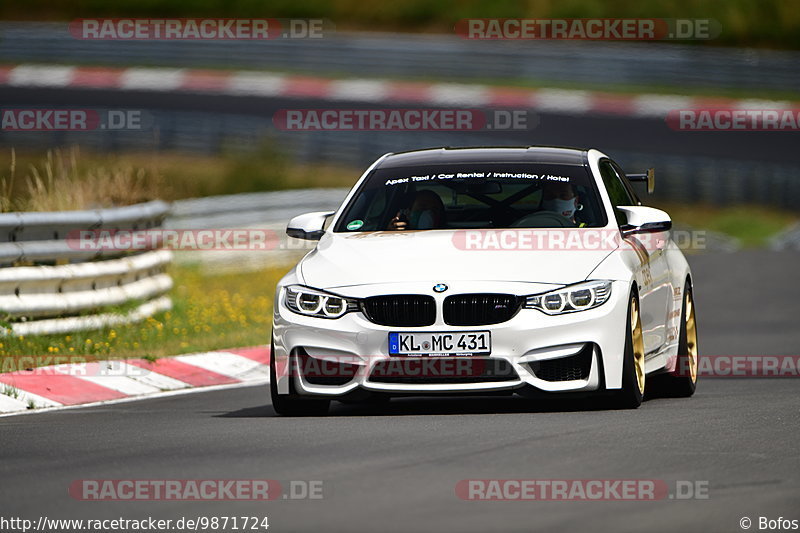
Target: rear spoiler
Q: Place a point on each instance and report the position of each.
(649, 177)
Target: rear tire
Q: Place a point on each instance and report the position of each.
(293, 404)
(633, 377)
(682, 382)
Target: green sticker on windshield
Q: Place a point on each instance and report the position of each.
(355, 224)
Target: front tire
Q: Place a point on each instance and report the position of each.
(293, 404)
(633, 374)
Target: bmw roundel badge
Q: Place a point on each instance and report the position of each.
(439, 287)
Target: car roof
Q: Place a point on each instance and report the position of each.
(553, 155)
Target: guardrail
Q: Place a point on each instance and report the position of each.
(41, 237)
(247, 209)
(788, 239)
(54, 287)
(266, 211)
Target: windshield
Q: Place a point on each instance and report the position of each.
(474, 196)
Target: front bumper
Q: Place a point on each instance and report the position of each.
(532, 348)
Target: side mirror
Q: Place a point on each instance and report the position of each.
(308, 226)
(649, 177)
(644, 220)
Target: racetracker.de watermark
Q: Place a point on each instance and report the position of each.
(198, 29)
(574, 239)
(431, 365)
(734, 119)
(195, 490)
(404, 119)
(245, 239)
(69, 365)
(37, 119)
(741, 366)
(580, 490)
(595, 29)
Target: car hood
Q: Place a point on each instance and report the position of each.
(342, 260)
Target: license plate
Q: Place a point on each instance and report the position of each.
(442, 343)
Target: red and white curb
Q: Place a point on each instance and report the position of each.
(265, 84)
(59, 386)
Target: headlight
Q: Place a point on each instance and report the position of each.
(570, 299)
(312, 302)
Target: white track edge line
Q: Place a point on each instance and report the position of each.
(164, 394)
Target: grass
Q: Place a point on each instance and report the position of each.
(74, 179)
(57, 182)
(208, 313)
(753, 225)
(10, 391)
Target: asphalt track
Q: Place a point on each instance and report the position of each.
(605, 132)
(396, 469)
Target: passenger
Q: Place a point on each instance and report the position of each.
(427, 212)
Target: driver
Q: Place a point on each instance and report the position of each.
(560, 197)
(427, 212)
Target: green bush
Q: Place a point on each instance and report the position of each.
(764, 23)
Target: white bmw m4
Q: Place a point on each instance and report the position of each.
(533, 271)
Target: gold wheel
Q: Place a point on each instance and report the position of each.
(691, 337)
(638, 344)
